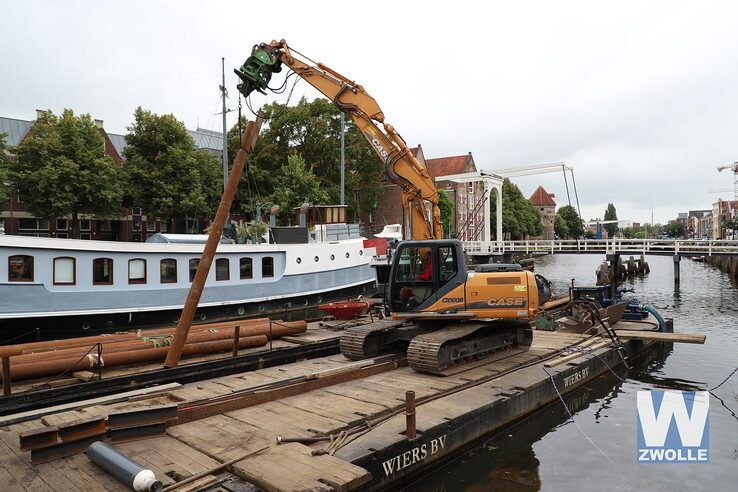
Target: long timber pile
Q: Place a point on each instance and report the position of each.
(340, 423)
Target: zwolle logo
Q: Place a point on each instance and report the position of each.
(673, 427)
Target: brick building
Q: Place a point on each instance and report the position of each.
(546, 205)
(131, 225)
(467, 223)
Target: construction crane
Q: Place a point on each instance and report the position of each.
(733, 167)
(444, 316)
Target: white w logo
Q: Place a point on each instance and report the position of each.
(656, 427)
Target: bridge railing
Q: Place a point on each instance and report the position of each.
(621, 246)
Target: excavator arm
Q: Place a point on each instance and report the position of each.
(419, 194)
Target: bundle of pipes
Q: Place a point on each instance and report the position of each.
(41, 359)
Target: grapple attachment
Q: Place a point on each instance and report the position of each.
(257, 70)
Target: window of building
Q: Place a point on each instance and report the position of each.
(221, 269)
(62, 235)
(106, 226)
(61, 224)
(84, 224)
(245, 265)
(64, 271)
(20, 268)
(136, 225)
(163, 227)
(137, 271)
(85, 235)
(168, 271)
(136, 211)
(102, 271)
(194, 262)
(33, 224)
(267, 267)
(150, 226)
(191, 225)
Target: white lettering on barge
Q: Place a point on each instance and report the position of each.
(576, 377)
(414, 455)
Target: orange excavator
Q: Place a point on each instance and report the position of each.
(443, 315)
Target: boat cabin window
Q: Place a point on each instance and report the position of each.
(102, 271)
(20, 268)
(221, 269)
(246, 267)
(137, 271)
(64, 271)
(168, 271)
(267, 267)
(194, 262)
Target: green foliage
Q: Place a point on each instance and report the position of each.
(311, 130)
(165, 173)
(446, 205)
(674, 228)
(573, 223)
(611, 214)
(298, 185)
(732, 224)
(4, 185)
(589, 234)
(640, 234)
(520, 218)
(560, 228)
(62, 169)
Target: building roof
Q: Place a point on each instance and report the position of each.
(542, 198)
(444, 166)
(17, 129)
(14, 129)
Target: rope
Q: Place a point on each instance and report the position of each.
(158, 341)
(93, 358)
(724, 380)
(571, 417)
(5, 342)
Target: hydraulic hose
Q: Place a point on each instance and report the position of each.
(650, 309)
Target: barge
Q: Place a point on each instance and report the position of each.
(327, 423)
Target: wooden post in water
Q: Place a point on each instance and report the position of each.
(248, 141)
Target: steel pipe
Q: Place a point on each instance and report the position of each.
(123, 468)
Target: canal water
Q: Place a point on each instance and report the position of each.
(548, 451)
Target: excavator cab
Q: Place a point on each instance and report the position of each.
(423, 272)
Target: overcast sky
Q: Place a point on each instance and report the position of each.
(641, 98)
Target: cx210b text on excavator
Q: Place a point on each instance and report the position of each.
(444, 316)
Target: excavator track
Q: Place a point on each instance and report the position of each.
(459, 347)
(370, 340)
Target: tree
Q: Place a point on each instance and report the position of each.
(165, 173)
(674, 228)
(573, 223)
(62, 169)
(312, 131)
(560, 228)
(299, 185)
(4, 184)
(520, 218)
(446, 205)
(611, 214)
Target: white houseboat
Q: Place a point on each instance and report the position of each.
(61, 287)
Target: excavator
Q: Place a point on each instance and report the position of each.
(445, 317)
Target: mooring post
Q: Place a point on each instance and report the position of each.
(236, 339)
(6, 376)
(410, 414)
(614, 260)
(677, 260)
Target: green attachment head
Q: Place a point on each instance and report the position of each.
(256, 72)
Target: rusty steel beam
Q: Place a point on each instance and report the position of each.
(140, 432)
(62, 450)
(143, 416)
(82, 429)
(38, 438)
(201, 409)
(248, 141)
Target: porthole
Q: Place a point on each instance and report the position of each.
(347, 255)
(361, 252)
(289, 304)
(262, 308)
(316, 259)
(299, 260)
(333, 257)
(203, 316)
(320, 299)
(241, 310)
(85, 326)
(305, 302)
(109, 324)
(176, 319)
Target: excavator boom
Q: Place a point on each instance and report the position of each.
(419, 194)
